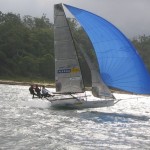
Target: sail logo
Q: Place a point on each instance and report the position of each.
(64, 71)
(75, 70)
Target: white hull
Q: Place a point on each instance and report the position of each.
(71, 102)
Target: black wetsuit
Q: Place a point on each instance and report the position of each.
(38, 91)
(31, 89)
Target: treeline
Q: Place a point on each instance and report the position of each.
(27, 47)
(142, 44)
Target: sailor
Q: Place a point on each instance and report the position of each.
(31, 89)
(38, 91)
(45, 92)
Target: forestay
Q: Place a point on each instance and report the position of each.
(67, 70)
(120, 64)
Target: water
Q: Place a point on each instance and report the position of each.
(32, 124)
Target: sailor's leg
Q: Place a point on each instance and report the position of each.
(39, 95)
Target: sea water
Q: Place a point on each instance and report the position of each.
(27, 123)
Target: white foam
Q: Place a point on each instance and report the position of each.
(38, 103)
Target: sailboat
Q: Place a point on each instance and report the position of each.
(120, 66)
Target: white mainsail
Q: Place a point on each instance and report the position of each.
(67, 69)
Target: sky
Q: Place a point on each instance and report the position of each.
(132, 17)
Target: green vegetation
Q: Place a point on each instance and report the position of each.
(142, 44)
(27, 49)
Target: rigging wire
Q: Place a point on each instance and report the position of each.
(118, 100)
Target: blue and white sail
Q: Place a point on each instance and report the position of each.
(119, 63)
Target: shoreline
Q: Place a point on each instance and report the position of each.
(50, 85)
(11, 82)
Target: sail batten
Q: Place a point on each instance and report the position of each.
(120, 64)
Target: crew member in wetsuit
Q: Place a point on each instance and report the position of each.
(38, 91)
(45, 92)
(31, 89)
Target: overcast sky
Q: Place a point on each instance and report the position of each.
(132, 17)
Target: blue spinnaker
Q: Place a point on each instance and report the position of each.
(119, 63)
